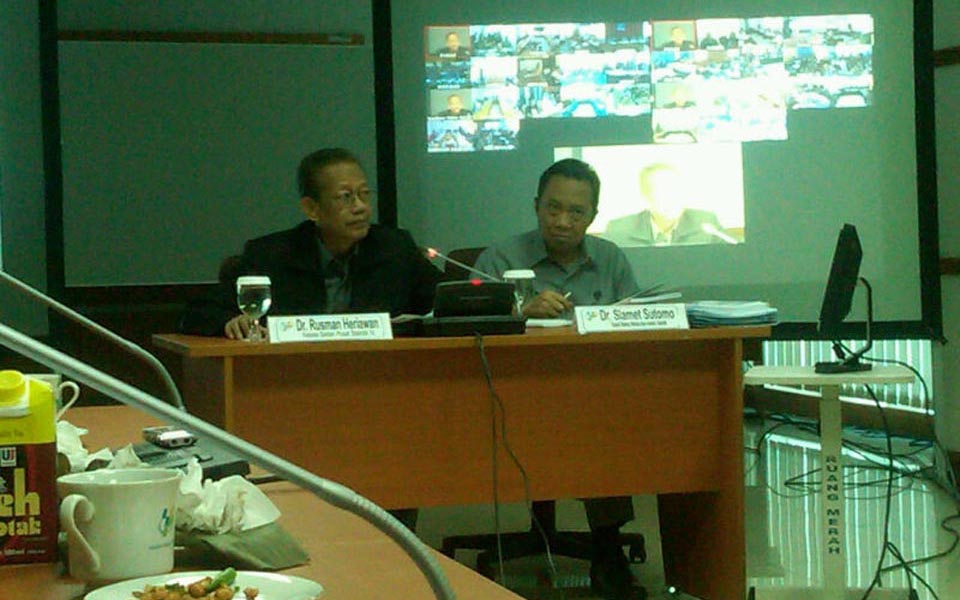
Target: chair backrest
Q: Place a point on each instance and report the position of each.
(229, 269)
(467, 256)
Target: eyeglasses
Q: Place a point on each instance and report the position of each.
(345, 198)
(576, 214)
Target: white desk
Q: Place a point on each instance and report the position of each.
(831, 491)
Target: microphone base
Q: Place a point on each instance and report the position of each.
(472, 325)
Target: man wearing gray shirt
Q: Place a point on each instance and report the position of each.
(573, 268)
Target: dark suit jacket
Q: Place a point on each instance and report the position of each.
(637, 229)
(388, 273)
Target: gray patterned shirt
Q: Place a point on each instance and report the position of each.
(602, 275)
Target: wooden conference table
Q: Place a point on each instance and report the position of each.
(407, 422)
(348, 556)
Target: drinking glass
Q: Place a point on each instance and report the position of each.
(523, 289)
(253, 299)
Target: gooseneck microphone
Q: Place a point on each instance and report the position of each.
(101, 331)
(334, 493)
(434, 253)
(711, 229)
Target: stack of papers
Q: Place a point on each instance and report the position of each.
(709, 313)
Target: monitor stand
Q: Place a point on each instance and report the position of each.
(851, 363)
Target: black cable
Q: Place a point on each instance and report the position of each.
(497, 405)
(911, 575)
(927, 472)
(943, 554)
(923, 382)
(493, 461)
(886, 516)
(895, 552)
(889, 497)
(797, 483)
(862, 452)
(760, 461)
(951, 485)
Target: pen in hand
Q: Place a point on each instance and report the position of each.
(567, 313)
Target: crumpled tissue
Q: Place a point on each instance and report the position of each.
(229, 504)
(71, 446)
(229, 521)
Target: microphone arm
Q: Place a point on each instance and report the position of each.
(711, 229)
(433, 252)
(102, 331)
(334, 493)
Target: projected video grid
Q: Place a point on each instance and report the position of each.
(704, 80)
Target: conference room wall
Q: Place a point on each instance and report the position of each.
(946, 35)
(21, 163)
(216, 129)
(22, 206)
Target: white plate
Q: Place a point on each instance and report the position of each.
(272, 586)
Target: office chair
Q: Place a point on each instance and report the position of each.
(467, 256)
(229, 269)
(573, 544)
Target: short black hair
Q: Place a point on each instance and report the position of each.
(574, 169)
(314, 162)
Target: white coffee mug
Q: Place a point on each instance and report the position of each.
(119, 522)
(65, 393)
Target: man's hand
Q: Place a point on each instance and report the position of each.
(238, 328)
(547, 305)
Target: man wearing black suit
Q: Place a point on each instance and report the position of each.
(336, 261)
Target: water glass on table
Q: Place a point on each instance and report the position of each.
(523, 289)
(253, 299)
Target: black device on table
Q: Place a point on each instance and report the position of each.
(471, 307)
(173, 447)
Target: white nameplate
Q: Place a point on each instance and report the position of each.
(322, 328)
(626, 317)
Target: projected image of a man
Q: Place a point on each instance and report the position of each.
(455, 107)
(453, 48)
(667, 217)
(678, 40)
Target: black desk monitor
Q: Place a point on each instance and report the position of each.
(837, 300)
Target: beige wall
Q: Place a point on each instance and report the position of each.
(947, 396)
